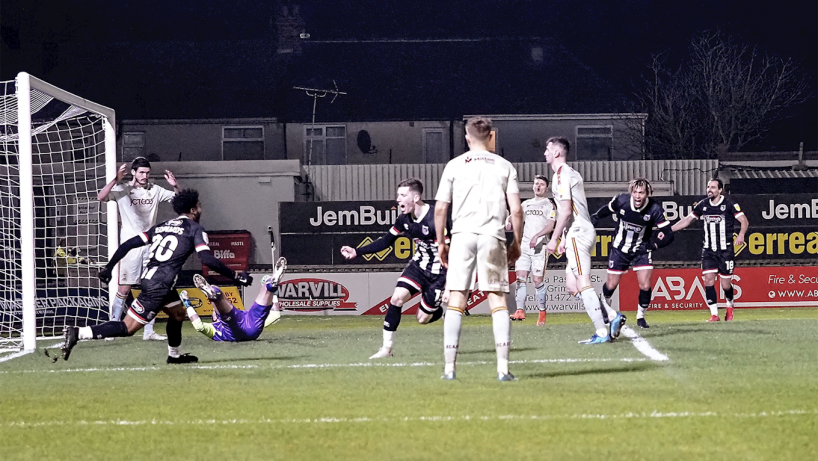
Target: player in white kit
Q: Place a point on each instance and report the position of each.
(138, 203)
(539, 214)
(478, 185)
(578, 236)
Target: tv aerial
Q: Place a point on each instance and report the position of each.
(316, 93)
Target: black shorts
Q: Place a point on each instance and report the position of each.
(619, 262)
(721, 261)
(152, 299)
(430, 285)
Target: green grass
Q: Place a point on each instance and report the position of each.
(746, 390)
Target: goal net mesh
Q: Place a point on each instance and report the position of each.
(70, 225)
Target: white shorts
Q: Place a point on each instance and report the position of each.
(484, 253)
(131, 266)
(532, 262)
(578, 246)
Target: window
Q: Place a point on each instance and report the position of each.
(133, 145)
(433, 151)
(325, 144)
(595, 142)
(243, 143)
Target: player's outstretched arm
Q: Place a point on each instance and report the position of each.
(684, 222)
(742, 219)
(128, 245)
(601, 213)
(516, 213)
(378, 245)
(241, 278)
(171, 179)
(120, 173)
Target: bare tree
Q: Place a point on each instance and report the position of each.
(723, 97)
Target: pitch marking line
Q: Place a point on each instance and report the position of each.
(366, 419)
(318, 366)
(643, 346)
(14, 355)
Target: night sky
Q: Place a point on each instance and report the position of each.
(614, 38)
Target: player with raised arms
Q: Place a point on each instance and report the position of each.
(171, 243)
(138, 204)
(424, 274)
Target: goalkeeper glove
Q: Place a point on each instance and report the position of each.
(104, 275)
(243, 278)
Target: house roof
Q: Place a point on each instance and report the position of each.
(774, 173)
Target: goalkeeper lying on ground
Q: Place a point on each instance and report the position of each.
(230, 323)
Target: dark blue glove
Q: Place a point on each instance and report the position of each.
(243, 278)
(104, 275)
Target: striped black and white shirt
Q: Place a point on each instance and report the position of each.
(635, 225)
(719, 222)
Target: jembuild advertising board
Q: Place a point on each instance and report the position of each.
(781, 228)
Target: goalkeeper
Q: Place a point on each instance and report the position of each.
(230, 323)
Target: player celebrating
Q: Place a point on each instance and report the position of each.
(138, 203)
(235, 325)
(171, 243)
(719, 215)
(424, 273)
(636, 215)
(578, 236)
(479, 185)
(539, 217)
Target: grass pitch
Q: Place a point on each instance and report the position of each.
(306, 390)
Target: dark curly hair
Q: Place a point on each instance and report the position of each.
(185, 200)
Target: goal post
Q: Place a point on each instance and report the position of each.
(57, 150)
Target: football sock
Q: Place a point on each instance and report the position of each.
(388, 339)
(148, 330)
(109, 329)
(173, 351)
(174, 329)
(116, 307)
(710, 298)
(436, 315)
(392, 318)
(728, 294)
(594, 310)
(451, 336)
(520, 294)
(607, 293)
(501, 324)
(644, 303)
(541, 295)
(202, 327)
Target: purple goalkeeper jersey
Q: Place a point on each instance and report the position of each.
(240, 325)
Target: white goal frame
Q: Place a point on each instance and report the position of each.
(24, 84)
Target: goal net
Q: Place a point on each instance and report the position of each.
(55, 152)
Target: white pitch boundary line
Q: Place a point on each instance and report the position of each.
(642, 345)
(317, 366)
(14, 356)
(655, 414)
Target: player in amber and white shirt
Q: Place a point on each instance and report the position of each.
(480, 186)
(138, 204)
(578, 236)
(539, 214)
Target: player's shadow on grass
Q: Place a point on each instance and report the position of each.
(630, 368)
(249, 359)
